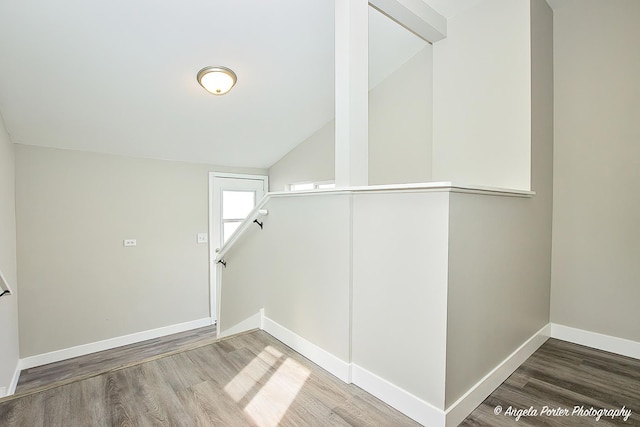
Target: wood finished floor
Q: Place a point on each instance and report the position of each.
(66, 371)
(250, 379)
(564, 375)
(189, 379)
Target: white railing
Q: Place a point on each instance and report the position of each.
(253, 217)
(4, 286)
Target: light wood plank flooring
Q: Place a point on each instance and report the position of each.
(564, 375)
(66, 371)
(249, 379)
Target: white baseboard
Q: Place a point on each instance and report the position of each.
(427, 414)
(253, 322)
(460, 409)
(405, 402)
(81, 350)
(317, 355)
(608, 343)
(14, 379)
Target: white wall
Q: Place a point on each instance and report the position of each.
(355, 274)
(499, 281)
(312, 160)
(482, 97)
(78, 284)
(596, 239)
(400, 247)
(297, 269)
(400, 123)
(500, 247)
(427, 290)
(8, 304)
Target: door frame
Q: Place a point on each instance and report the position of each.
(214, 271)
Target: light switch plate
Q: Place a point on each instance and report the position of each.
(129, 242)
(203, 238)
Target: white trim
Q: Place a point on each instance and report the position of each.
(253, 322)
(417, 187)
(608, 343)
(214, 273)
(15, 378)
(421, 411)
(311, 351)
(416, 16)
(315, 184)
(81, 350)
(265, 178)
(459, 410)
(405, 402)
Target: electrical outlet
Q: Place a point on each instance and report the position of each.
(129, 242)
(3, 391)
(203, 238)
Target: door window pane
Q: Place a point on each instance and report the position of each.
(237, 204)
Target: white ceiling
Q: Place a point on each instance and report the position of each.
(119, 76)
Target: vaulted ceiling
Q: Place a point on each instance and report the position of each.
(120, 76)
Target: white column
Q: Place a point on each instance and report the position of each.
(351, 92)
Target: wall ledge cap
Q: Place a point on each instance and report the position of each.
(440, 186)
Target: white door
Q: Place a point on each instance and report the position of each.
(233, 197)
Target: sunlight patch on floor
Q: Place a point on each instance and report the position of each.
(270, 404)
(246, 379)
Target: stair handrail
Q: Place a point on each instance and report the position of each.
(255, 215)
(5, 289)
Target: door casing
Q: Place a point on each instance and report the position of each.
(215, 225)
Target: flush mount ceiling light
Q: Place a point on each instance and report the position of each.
(217, 80)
